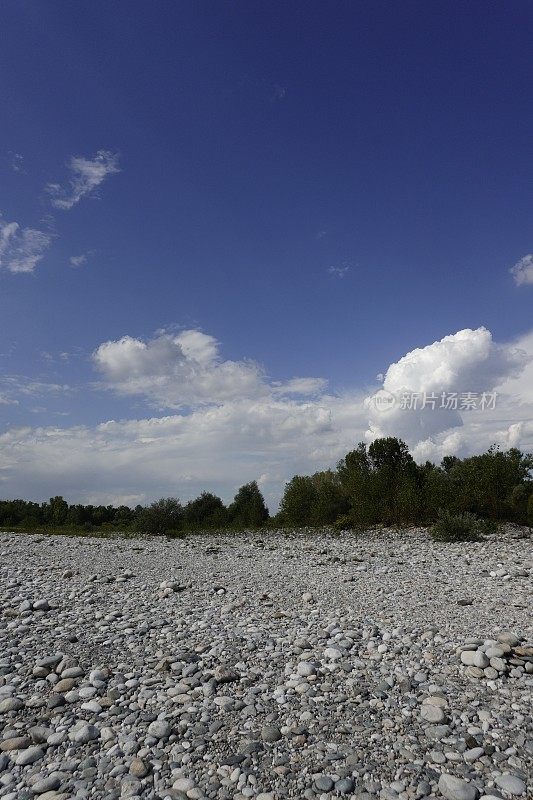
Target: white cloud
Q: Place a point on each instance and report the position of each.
(86, 175)
(21, 249)
(235, 425)
(522, 271)
(217, 448)
(13, 388)
(78, 261)
(467, 361)
(177, 371)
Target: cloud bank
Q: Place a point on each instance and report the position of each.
(227, 422)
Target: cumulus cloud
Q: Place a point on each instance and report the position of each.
(21, 249)
(522, 271)
(429, 387)
(186, 370)
(233, 424)
(86, 175)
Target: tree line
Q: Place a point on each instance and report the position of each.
(378, 484)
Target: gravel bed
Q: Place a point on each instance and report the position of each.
(376, 666)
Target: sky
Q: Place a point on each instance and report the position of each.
(224, 227)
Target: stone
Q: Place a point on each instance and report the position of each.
(508, 637)
(15, 743)
(86, 733)
(270, 733)
(64, 685)
(139, 768)
(431, 713)
(480, 660)
(10, 704)
(29, 756)
(511, 784)
(47, 784)
(160, 729)
(453, 788)
(324, 783)
(183, 784)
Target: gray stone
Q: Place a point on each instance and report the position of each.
(324, 783)
(29, 756)
(456, 788)
(86, 733)
(511, 784)
(270, 733)
(160, 729)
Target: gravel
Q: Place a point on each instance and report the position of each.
(377, 666)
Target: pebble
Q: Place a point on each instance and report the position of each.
(265, 665)
(511, 784)
(456, 788)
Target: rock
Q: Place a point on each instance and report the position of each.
(324, 783)
(48, 784)
(333, 653)
(432, 713)
(213, 671)
(225, 675)
(139, 768)
(468, 657)
(86, 733)
(456, 788)
(183, 784)
(511, 784)
(508, 637)
(344, 786)
(29, 756)
(160, 729)
(15, 743)
(64, 685)
(270, 733)
(480, 660)
(10, 704)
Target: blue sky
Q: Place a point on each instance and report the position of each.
(320, 188)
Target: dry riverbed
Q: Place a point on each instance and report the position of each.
(381, 666)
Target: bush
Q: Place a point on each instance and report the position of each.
(451, 527)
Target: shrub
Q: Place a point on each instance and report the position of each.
(451, 527)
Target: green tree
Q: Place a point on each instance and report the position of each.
(207, 511)
(56, 512)
(297, 502)
(394, 481)
(248, 509)
(161, 517)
